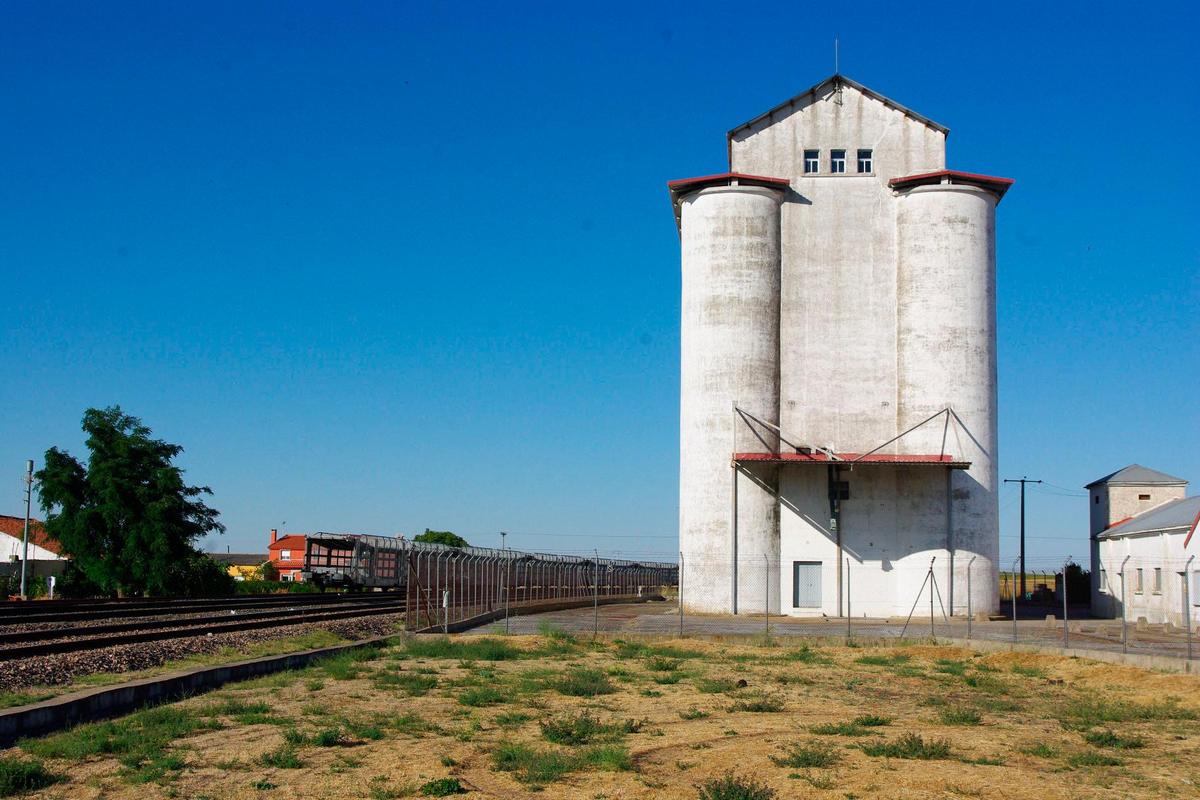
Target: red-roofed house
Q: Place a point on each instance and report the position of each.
(287, 554)
(41, 546)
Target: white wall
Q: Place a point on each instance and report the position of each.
(10, 549)
(1162, 550)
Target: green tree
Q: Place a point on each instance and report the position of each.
(127, 519)
(441, 537)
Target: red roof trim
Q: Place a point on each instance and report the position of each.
(848, 458)
(727, 177)
(1192, 530)
(991, 182)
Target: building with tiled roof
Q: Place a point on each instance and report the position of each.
(41, 546)
(1144, 547)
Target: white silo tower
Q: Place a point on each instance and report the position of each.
(946, 357)
(729, 231)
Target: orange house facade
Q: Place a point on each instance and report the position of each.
(286, 553)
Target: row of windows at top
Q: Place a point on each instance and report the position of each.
(837, 161)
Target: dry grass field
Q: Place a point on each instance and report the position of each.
(555, 716)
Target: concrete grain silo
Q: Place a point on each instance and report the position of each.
(729, 229)
(838, 365)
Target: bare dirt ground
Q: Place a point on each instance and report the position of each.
(557, 716)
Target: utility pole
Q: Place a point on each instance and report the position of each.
(502, 535)
(25, 538)
(1022, 480)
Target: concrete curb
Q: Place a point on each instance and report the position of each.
(1140, 660)
(541, 607)
(89, 705)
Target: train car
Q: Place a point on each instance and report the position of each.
(355, 561)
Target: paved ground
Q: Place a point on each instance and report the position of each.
(663, 618)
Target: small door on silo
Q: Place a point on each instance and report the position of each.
(806, 584)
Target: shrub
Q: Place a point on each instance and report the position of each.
(139, 741)
(1041, 750)
(583, 682)
(532, 766)
(328, 737)
(1091, 711)
(693, 713)
(840, 729)
(872, 720)
(950, 667)
(960, 716)
(1107, 738)
(442, 787)
(732, 787)
(481, 696)
(1029, 672)
(411, 684)
(760, 703)
(882, 660)
(663, 664)
(584, 728)
(442, 647)
(284, 757)
(715, 685)
(1090, 759)
(512, 719)
(910, 745)
(18, 776)
(816, 755)
(988, 684)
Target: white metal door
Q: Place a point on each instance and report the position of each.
(806, 584)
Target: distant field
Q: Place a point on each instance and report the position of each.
(566, 718)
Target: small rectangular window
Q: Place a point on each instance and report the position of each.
(837, 161)
(285, 555)
(1096, 499)
(812, 159)
(1104, 580)
(1143, 497)
(1158, 580)
(1137, 581)
(865, 163)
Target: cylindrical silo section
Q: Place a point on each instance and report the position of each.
(946, 356)
(729, 354)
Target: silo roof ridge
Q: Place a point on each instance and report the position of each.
(835, 79)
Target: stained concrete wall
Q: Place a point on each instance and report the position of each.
(729, 353)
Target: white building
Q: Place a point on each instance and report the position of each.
(838, 292)
(1144, 546)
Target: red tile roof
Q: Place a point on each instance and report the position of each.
(295, 542)
(997, 186)
(15, 527)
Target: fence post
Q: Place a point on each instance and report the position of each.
(1066, 632)
(969, 563)
(596, 596)
(932, 632)
(1124, 610)
(847, 599)
(680, 594)
(767, 595)
(1014, 600)
(1187, 605)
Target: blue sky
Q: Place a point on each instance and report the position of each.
(381, 267)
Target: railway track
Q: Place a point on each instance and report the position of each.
(81, 611)
(24, 644)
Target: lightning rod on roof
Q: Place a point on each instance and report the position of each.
(835, 55)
